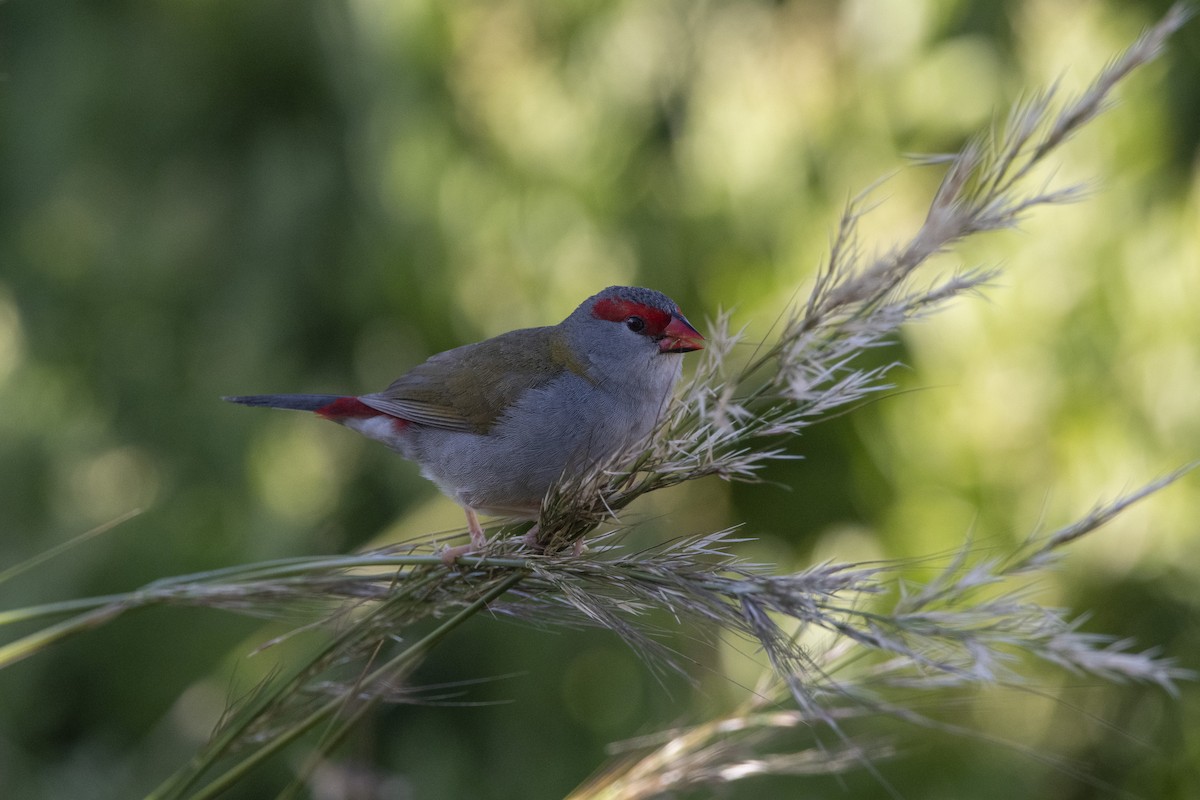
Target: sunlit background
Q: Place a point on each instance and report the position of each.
(208, 198)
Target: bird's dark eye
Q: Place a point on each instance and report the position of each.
(636, 324)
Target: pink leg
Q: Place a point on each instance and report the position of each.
(530, 539)
(478, 537)
(478, 540)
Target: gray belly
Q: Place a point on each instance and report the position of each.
(548, 433)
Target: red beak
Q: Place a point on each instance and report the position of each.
(680, 337)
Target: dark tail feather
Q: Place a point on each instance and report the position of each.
(297, 402)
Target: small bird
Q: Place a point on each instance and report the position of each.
(496, 423)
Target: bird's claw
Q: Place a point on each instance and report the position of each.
(450, 555)
(530, 539)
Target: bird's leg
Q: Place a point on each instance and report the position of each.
(530, 540)
(530, 537)
(478, 539)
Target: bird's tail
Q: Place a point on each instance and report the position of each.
(297, 402)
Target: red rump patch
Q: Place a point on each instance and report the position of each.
(618, 310)
(346, 408)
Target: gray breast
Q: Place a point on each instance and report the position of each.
(563, 427)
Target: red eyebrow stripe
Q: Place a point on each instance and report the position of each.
(613, 310)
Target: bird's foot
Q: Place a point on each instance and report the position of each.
(478, 537)
(450, 555)
(530, 539)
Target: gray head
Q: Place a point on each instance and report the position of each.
(630, 322)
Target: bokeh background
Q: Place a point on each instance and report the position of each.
(218, 197)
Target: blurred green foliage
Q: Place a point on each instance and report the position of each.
(223, 197)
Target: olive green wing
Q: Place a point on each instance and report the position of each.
(470, 387)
